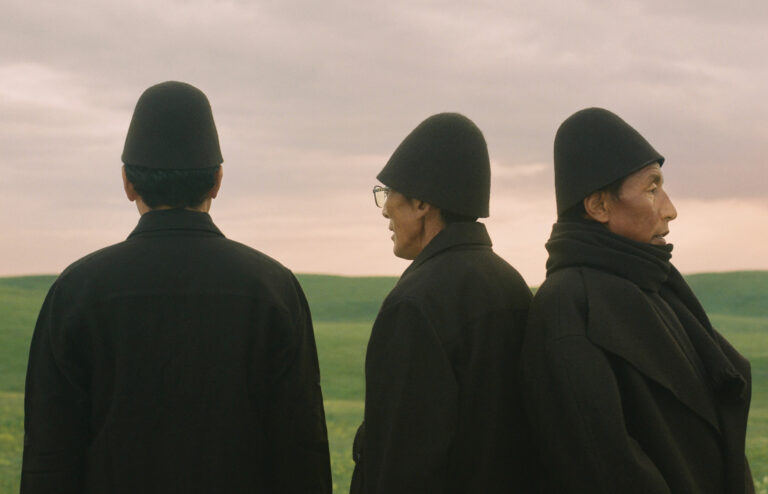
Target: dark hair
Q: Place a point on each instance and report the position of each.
(176, 188)
(577, 211)
(448, 217)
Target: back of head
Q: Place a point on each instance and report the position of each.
(172, 152)
(444, 162)
(595, 148)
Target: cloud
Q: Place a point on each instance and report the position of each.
(311, 98)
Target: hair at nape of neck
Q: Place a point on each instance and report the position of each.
(449, 217)
(176, 188)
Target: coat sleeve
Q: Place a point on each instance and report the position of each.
(410, 409)
(735, 442)
(57, 402)
(298, 456)
(573, 402)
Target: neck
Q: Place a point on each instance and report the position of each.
(204, 207)
(432, 226)
(430, 233)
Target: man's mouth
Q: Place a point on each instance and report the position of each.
(659, 239)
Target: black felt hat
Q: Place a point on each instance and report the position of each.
(172, 127)
(594, 148)
(443, 161)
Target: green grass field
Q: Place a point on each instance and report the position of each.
(343, 310)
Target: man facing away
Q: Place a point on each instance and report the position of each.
(442, 412)
(629, 389)
(177, 360)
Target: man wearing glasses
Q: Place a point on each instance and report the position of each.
(441, 407)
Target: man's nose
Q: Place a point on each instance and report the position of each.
(668, 209)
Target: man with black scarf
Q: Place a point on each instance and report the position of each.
(442, 406)
(628, 386)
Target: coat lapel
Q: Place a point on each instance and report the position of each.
(622, 321)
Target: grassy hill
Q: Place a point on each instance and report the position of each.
(342, 298)
(343, 309)
(738, 293)
(20, 301)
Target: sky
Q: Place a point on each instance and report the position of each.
(311, 98)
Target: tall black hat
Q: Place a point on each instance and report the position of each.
(443, 161)
(172, 127)
(594, 148)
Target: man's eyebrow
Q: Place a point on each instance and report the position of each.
(656, 178)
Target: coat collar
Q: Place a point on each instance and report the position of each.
(622, 321)
(453, 235)
(175, 220)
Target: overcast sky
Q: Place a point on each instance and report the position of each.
(311, 98)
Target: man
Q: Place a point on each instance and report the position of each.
(628, 387)
(177, 360)
(442, 412)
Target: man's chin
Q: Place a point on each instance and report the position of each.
(403, 255)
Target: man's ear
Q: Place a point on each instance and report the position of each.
(130, 192)
(429, 214)
(422, 208)
(597, 205)
(217, 184)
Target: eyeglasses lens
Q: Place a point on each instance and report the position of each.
(380, 195)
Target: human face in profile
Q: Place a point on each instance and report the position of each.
(642, 211)
(406, 221)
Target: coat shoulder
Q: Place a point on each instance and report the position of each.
(559, 308)
(471, 279)
(183, 265)
(220, 251)
(565, 284)
(255, 259)
(90, 262)
(578, 283)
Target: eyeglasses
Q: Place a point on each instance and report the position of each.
(380, 195)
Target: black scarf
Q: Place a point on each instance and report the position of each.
(590, 244)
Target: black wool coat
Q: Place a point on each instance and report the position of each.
(442, 407)
(175, 361)
(616, 403)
